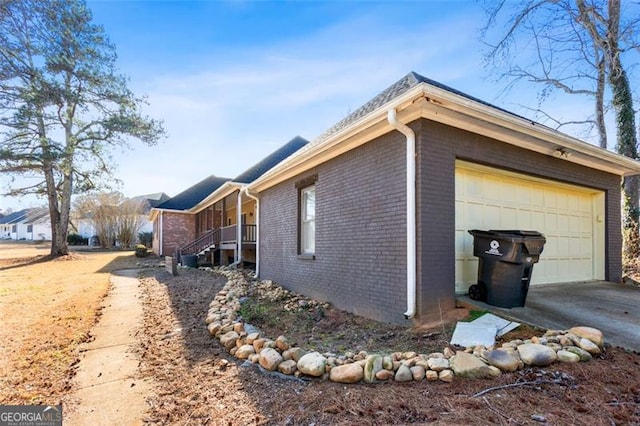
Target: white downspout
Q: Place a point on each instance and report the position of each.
(238, 230)
(161, 238)
(411, 210)
(246, 191)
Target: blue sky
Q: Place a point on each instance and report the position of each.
(234, 80)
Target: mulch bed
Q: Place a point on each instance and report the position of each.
(200, 383)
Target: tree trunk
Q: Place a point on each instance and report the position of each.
(623, 106)
(600, 123)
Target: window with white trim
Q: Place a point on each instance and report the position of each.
(308, 220)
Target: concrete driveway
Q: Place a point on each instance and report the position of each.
(612, 308)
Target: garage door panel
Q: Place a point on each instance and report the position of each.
(523, 219)
(493, 199)
(523, 196)
(551, 222)
(537, 197)
(550, 199)
(509, 216)
(537, 221)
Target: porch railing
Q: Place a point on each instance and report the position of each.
(215, 237)
(207, 240)
(228, 233)
(248, 233)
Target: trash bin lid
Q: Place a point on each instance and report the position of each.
(518, 232)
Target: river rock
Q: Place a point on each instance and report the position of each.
(468, 366)
(446, 376)
(258, 344)
(494, 372)
(588, 346)
(584, 355)
(287, 367)
(214, 327)
(244, 351)
(371, 367)
(418, 372)
(251, 337)
(384, 375)
(534, 354)
(312, 364)
(431, 375)
(387, 363)
(566, 356)
(347, 373)
(296, 353)
(270, 359)
(282, 343)
(502, 359)
(438, 364)
(590, 333)
(403, 374)
(228, 340)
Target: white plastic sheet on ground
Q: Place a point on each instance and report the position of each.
(481, 331)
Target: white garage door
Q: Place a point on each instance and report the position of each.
(570, 217)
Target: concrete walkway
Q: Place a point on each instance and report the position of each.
(612, 308)
(105, 384)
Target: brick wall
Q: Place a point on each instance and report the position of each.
(178, 230)
(438, 148)
(360, 261)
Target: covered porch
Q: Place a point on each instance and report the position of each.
(226, 228)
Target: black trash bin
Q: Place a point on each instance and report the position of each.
(506, 259)
(189, 260)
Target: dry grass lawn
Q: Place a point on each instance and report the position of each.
(47, 309)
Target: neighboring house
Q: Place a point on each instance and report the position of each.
(85, 227)
(373, 216)
(173, 224)
(149, 201)
(216, 236)
(27, 224)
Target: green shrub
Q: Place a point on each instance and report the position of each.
(145, 238)
(141, 250)
(77, 240)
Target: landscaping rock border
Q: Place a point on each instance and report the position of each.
(578, 344)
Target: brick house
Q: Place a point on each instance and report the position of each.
(216, 219)
(373, 215)
(173, 224)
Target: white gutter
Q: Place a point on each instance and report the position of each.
(161, 228)
(246, 191)
(238, 230)
(411, 210)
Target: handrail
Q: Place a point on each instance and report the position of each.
(213, 237)
(204, 241)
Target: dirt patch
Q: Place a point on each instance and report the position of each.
(201, 383)
(47, 308)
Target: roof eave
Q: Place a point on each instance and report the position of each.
(519, 131)
(434, 103)
(226, 189)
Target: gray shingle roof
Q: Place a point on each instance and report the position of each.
(25, 216)
(151, 200)
(396, 89)
(271, 160)
(193, 195)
